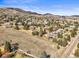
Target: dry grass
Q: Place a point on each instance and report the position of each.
(26, 41)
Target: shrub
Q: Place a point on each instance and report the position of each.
(35, 33)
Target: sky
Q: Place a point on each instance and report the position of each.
(57, 7)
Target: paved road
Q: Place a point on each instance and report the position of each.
(70, 47)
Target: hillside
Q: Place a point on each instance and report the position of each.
(43, 35)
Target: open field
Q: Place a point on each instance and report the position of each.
(26, 42)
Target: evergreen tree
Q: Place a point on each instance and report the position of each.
(44, 55)
(78, 45)
(77, 52)
(0, 53)
(7, 46)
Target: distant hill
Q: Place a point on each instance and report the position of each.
(20, 12)
(48, 14)
(75, 15)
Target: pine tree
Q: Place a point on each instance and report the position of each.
(44, 55)
(41, 32)
(0, 53)
(7, 46)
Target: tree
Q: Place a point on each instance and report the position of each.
(62, 43)
(60, 35)
(44, 55)
(77, 52)
(73, 33)
(54, 40)
(0, 53)
(50, 29)
(26, 27)
(78, 45)
(58, 47)
(67, 37)
(7, 46)
(41, 33)
(35, 33)
(44, 32)
(16, 27)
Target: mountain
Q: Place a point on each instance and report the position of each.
(75, 15)
(48, 14)
(20, 10)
